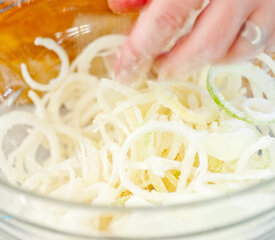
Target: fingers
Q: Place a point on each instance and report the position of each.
(211, 37)
(256, 33)
(159, 23)
(122, 6)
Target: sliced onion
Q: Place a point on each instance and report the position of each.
(260, 109)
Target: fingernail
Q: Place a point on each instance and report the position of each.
(126, 61)
(125, 70)
(256, 35)
(126, 76)
(129, 65)
(123, 6)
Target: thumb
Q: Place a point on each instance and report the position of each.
(122, 6)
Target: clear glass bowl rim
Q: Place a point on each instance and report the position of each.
(85, 206)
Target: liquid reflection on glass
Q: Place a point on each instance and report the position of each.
(73, 24)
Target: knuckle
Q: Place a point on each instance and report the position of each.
(167, 21)
(173, 13)
(170, 19)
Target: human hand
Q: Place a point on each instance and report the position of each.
(226, 30)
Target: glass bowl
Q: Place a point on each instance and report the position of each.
(245, 214)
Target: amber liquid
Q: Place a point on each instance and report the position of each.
(72, 23)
